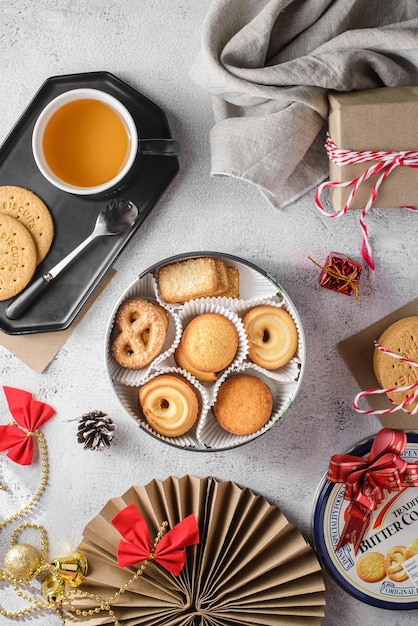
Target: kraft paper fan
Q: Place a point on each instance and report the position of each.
(251, 566)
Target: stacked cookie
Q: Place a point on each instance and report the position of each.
(26, 234)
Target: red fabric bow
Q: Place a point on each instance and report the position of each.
(369, 480)
(168, 552)
(30, 415)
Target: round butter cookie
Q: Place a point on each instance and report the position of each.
(400, 338)
(272, 336)
(17, 257)
(210, 342)
(169, 404)
(243, 405)
(370, 567)
(31, 211)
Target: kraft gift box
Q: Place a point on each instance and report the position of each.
(382, 119)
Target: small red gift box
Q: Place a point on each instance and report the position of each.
(340, 273)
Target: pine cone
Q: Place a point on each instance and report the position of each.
(95, 430)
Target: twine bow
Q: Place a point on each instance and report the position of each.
(386, 163)
(29, 415)
(369, 480)
(168, 552)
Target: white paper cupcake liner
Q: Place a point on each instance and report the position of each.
(210, 431)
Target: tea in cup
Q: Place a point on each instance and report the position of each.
(85, 142)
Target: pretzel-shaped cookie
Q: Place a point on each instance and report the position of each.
(393, 563)
(141, 328)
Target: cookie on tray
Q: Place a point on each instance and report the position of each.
(32, 212)
(17, 256)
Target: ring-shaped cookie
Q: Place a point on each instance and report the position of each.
(141, 328)
(393, 563)
(169, 404)
(272, 336)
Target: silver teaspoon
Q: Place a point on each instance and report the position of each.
(118, 216)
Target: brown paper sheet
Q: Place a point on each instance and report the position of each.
(357, 352)
(375, 119)
(37, 350)
(251, 565)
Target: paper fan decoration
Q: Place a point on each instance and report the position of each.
(250, 567)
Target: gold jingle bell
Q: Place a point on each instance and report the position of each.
(22, 560)
(72, 569)
(51, 590)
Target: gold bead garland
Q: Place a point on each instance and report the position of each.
(23, 564)
(42, 484)
(54, 583)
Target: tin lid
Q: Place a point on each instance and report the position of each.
(384, 572)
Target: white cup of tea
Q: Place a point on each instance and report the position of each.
(85, 142)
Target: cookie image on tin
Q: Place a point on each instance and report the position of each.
(32, 212)
(17, 256)
(400, 338)
(370, 567)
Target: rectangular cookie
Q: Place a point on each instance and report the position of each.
(185, 280)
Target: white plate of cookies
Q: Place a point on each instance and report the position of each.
(205, 351)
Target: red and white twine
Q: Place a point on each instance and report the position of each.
(413, 388)
(386, 163)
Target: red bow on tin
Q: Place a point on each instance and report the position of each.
(168, 551)
(29, 415)
(369, 480)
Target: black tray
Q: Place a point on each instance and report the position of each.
(74, 216)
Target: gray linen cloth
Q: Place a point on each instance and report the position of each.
(268, 65)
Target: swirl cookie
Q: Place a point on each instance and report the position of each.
(400, 338)
(272, 336)
(370, 567)
(31, 211)
(210, 342)
(17, 257)
(140, 332)
(243, 405)
(169, 404)
(393, 560)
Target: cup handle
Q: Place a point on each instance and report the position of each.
(159, 147)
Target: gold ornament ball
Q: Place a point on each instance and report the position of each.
(22, 560)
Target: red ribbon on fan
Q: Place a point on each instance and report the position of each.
(29, 415)
(368, 481)
(168, 551)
